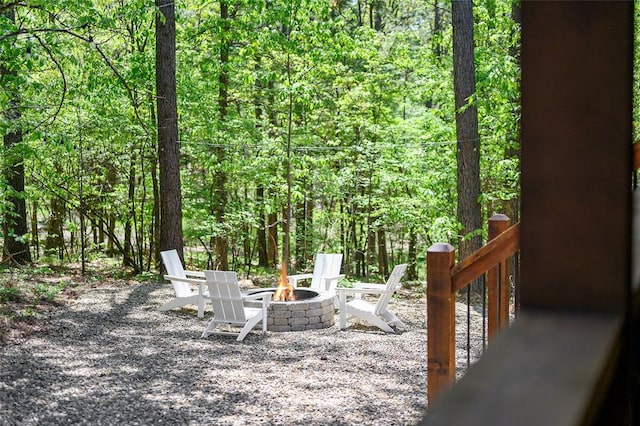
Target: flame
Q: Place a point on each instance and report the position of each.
(284, 291)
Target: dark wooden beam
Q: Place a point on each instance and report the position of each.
(577, 62)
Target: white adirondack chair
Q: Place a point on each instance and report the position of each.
(228, 305)
(182, 282)
(326, 273)
(375, 314)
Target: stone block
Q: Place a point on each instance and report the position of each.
(327, 302)
(278, 307)
(327, 318)
(281, 321)
(281, 314)
(315, 312)
(314, 320)
(299, 321)
(279, 328)
(298, 306)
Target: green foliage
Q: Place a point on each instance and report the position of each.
(9, 293)
(372, 120)
(48, 292)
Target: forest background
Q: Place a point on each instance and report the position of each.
(303, 125)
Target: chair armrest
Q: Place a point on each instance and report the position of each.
(369, 285)
(293, 279)
(330, 283)
(375, 286)
(335, 277)
(264, 295)
(346, 290)
(200, 283)
(184, 279)
(300, 276)
(197, 274)
(254, 296)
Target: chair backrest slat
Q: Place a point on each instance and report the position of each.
(326, 265)
(226, 298)
(174, 267)
(392, 284)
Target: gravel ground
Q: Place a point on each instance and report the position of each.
(112, 357)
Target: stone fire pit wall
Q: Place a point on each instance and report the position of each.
(299, 315)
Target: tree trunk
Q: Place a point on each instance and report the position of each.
(247, 236)
(15, 223)
(35, 240)
(286, 215)
(272, 244)
(358, 252)
(54, 241)
(437, 30)
(468, 152)
(412, 254)
(219, 191)
(308, 235)
(154, 247)
(372, 245)
(377, 15)
(285, 232)
(383, 256)
(111, 216)
(300, 233)
(261, 235)
(272, 218)
(344, 238)
(168, 148)
(263, 259)
(128, 251)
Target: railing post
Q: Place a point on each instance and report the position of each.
(441, 337)
(497, 284)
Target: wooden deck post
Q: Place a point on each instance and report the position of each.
(497, 283)
(441, 366)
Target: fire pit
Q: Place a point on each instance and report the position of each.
(309, 310)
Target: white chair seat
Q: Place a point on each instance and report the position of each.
(375, 314)
(182, 282)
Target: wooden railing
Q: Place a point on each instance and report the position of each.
(445, 278)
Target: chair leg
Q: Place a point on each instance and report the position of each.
(201, 307)
(248, 327)
(382, 325)
(391, 319)
(209, 329)
(375, 321)
(179, 302)
(342, 300)
(264, 317)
